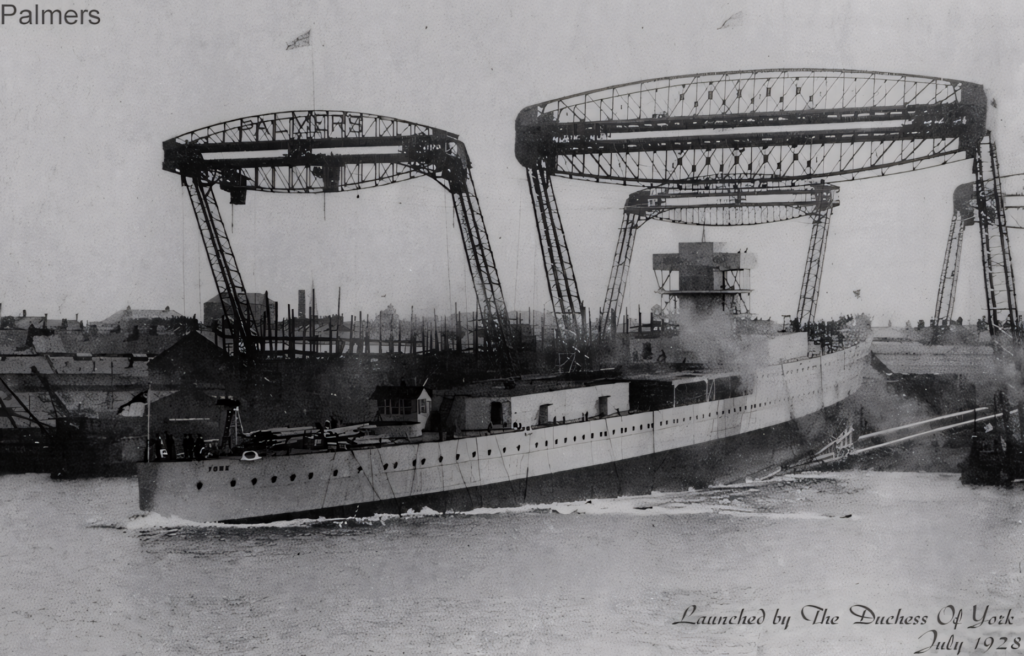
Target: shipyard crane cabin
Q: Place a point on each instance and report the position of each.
(756, 129)
(321, 151)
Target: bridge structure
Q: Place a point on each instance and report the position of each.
(322, 151)
(759, 129)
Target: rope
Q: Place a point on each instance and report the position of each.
(448, 257)
(312, 71)
(183, 285)
(519, 231)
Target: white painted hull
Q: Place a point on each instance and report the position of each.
(347, 482)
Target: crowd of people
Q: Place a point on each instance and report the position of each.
(194, 447)
(826, 334)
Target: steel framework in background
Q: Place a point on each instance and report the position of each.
(712, 205)
(240, 325)
(320, 151)
(997, 263)
(963, 216)
(453, 173)
(810, 283)
(566, 305)
(750, 128)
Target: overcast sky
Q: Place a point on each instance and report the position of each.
(90, 222)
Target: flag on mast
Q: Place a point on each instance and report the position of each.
(300, 41)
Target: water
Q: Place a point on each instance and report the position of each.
(83, 574)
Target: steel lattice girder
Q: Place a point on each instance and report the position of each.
(321, 151)
(734, 205)
(754, 126)
(709, 205)
(238, 321)
(963, 216)
(810, 284)
(997, 263)
(483, 271)
(565, 299)
(310, 151)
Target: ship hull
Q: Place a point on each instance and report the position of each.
(628, 454)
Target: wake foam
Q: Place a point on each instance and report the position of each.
(727, 500)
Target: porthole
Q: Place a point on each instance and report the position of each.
(545, 442)
(458, 455)
(310, 476)
(440, 458)
(292, 477)
(385, 466)
(573, 438)
(394, 466)
(474, 454)
(535, 445)
(273, 479)
(199, 485)
(335, 472)
(488, 452)
(253, 481)
(358, 469)
(232, 482)
(503, 449)
(517, 447)
(423, 461)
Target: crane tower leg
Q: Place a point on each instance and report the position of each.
(239, 324)
(565, 295)
(950, 271)
(997, 264)
(489, 298)
(811, 283)
(613, 296)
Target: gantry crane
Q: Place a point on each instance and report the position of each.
(753, 128)
(730, 205)
(321, 151)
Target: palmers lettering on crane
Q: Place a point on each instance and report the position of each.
(10, 14)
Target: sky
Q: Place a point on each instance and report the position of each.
(91, 223)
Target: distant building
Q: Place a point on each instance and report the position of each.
(213, 309)
(128, 317)
(39, 322)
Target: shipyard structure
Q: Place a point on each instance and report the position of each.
(782, 139)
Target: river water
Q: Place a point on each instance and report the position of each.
(82, 572)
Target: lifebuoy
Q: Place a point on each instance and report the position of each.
(249, 456)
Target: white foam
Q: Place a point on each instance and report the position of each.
(155, 521)
(693, 502)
